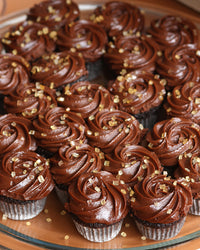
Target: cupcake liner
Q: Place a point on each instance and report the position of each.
(195, 208)
(62, 195)
(98, 234)
(17, 210)
(159, 231)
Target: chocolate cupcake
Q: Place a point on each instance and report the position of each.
(14, 71)
(132, 163)
(172, 137)
(119, 18)
(16, 134)
(71, 161)
(59, 69)
(189, 168)
(179, 65)
(160, 206)
(129, 53)
(54, 13)
(184, 101)
(86, 99)
(107, 129)
(25, 183)
(30, 100)
(30, 40)
(140, 94)
(56, 127)
(87, 38)
(172, 31)
(98, 203)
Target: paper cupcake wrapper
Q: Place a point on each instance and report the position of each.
(100, 234)
(62, 195)
(195, 209)
(22, 211)
(160, 232)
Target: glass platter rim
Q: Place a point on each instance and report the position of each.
(16, 17)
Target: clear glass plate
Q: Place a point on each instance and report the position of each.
(54, 229)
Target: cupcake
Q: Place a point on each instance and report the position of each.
(129, 53)
(30, 100)
(132, 163)
(58, 69)
(56, 127)
(184, 102)
(54, 13)
(179, 65)
(86, 38)
(107, 129)
(172, 137)
(189, 168)
(16, 134)
(172, 31)
(25, 183)
(71, 161)
(140, 94)
(119, 18)
(160, 205)
(30, 40)
(86, 99)
(14, 71)
(98, 203)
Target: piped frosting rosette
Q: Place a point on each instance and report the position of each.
(56, 127)
(25, 176)
(179, 65)
(15, 134)
(98, 197)
(107, 129)
(119, 18)
(14, 71)
(172, 137)
(72, 160)
(161, 200)
(132, 163)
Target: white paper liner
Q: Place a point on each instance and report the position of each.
(62, 195)
(22, 211)
(160, 233)
(195, 209)
(100, 234)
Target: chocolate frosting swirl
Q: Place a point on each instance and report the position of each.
(172, 31)
(73, 160)
(54, 13)
(56, 127)
(87, 98)
(132, 163)
(98, 198)
(172, 137)
(130, 53)
(179, 65)
(184, 101)
(85, 37)
(30, 100)
(107, 129)
(30, 40)
(161, 200)
(119, 18)
(15, 134)
(14, 71)
(58, 69)
(25, 176)
(138, 92)
(189, 168)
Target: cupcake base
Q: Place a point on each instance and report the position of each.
(98, 232)
(195, 208)
(159, 231)
(21, 210)
(62, 193)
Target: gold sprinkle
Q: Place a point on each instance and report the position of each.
(132, 199)
(66, 237)
(123, 234)
(46, 211)
(28, 223)
(97, 189)
(41, 179)
(43, 134)
(169, 211)
(143, 237)
(107, 163)
(49, 220)
(63, 212)
(127, 225)
(4, 217)
(123, 191)
(103, 202)
(13, 174)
